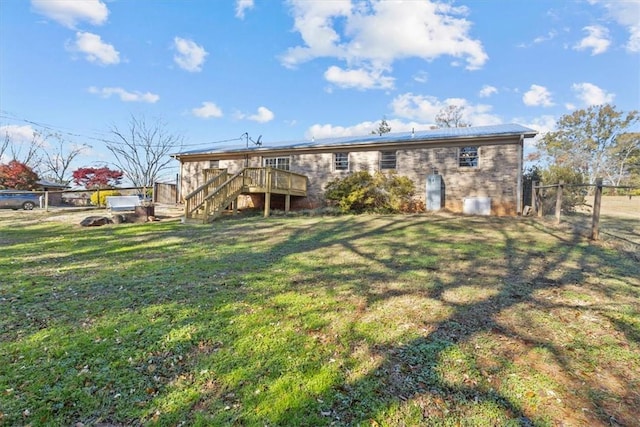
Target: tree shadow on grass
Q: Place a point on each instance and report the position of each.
(414, 372)
(244, 270)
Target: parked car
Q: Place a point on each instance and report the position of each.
(16, 199)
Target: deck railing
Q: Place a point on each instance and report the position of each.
(194, 200)
(212, 172)
(275, 180)
(208, 200)
(222, 196)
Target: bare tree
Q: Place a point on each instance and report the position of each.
(5, 145)
(451, 116)
(142, 151)
(28, 154)
(57, 161)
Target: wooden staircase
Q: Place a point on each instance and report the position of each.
(220, 190)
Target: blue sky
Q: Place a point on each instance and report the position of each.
(298, 69)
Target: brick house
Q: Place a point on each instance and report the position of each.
(473, 164)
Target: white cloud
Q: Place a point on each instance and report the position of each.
(208, 110)
(17, 133)
(421, 77)
(367, 35)
(426, 108)
(634, 40)
(543, 124)
(124, 95)
(190, 56)
(94, 49)
(263, 115)
(543, 38)
(71, 12)
(549, 36)
(19, 136)
(597, 40)
(319, 131)
(242, 6)
(537, 96)
(487, 91)
(591, 94)
(358, 78)
(626, 14)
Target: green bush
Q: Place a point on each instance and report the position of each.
(103, 197)
(572, 197)
(362, 192)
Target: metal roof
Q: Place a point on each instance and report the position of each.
(439, 134)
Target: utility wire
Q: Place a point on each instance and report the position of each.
(59, 130)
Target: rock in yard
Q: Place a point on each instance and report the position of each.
(95, 221)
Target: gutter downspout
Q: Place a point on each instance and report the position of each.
(178, 179)
(519, 183)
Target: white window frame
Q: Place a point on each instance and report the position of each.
(469, 157)
(341, 164)
(385, 162)
(277, 162)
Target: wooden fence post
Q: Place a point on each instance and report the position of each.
(539, 203)
(533, 195)
(559, 201)
(595, 222)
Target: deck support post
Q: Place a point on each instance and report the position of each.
(267, 194)
(267, 204)
(235, 206)
(287, 202)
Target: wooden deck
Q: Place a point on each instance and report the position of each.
(221, 190)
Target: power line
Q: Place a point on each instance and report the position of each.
(59, 130)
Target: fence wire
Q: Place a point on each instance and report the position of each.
(619, 217)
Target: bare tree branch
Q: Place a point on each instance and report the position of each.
(5, 145)
(451, 117)
(32, 156)
(142, 151)
(58, 161)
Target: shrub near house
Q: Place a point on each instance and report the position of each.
(99, 198)
(363, 192)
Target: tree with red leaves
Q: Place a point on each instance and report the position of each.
(92, 178)
(17, 175)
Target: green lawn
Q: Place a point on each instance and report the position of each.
(355, 320)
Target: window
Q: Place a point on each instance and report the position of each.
(468, 157)
(276, 162)
(387, 160)
(341, 161)
(214, 164)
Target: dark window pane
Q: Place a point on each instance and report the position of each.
(387, 160)
(468, 157)
(341, 161)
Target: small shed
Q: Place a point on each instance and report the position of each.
(54, 190)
